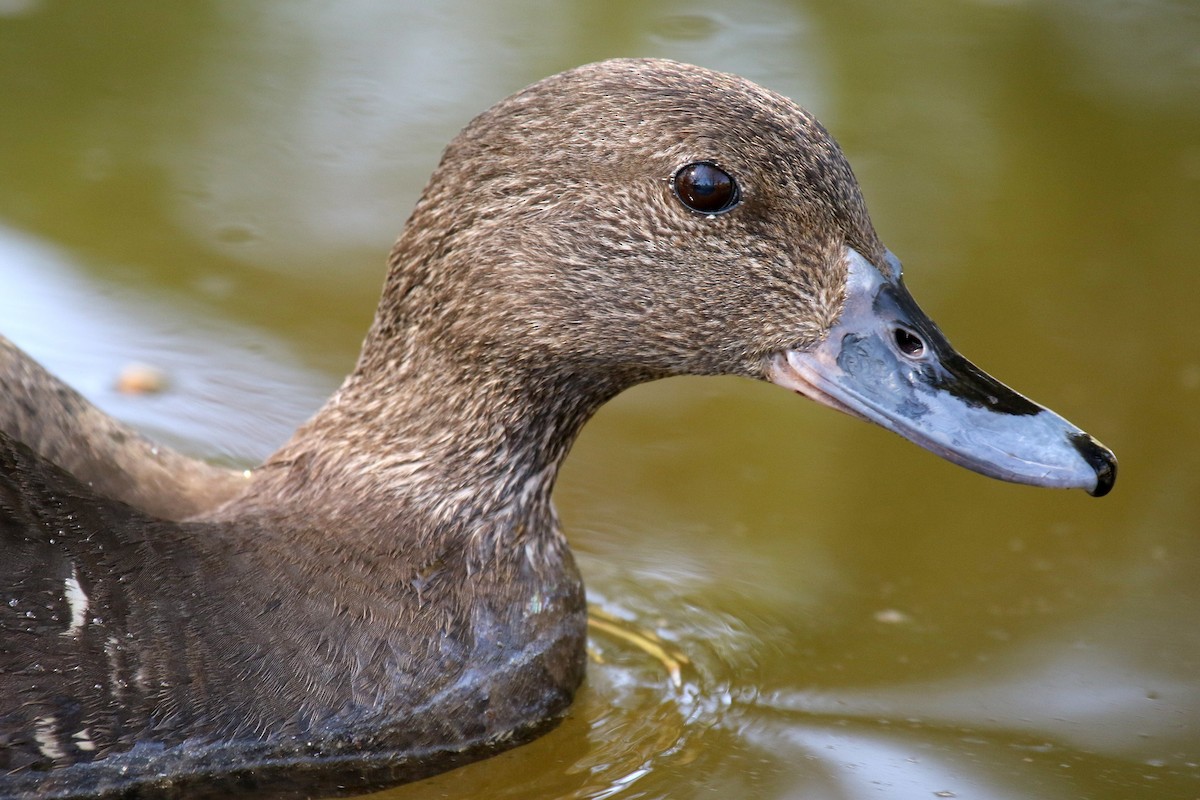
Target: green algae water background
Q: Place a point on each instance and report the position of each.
(789, 603)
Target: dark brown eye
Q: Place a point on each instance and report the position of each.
(706, 188)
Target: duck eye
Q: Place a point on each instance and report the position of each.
(705, 187)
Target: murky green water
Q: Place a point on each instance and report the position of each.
(211, 188)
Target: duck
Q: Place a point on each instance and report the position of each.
(390, 594)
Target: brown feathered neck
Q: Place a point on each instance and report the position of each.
(443, 429)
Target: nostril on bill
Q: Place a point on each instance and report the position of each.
(909, 343)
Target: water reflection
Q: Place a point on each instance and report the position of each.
(1053, 719)
(233, 396)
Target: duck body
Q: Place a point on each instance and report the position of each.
(390, 595)
(204, 658)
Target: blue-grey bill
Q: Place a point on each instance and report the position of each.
(886, 362)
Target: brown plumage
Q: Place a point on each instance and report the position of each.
(390, 594)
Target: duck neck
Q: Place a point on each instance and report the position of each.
(431, 446)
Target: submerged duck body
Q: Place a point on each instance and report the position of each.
(390, 594)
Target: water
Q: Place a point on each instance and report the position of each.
(211, 188)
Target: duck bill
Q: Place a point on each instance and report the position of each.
(886, 362)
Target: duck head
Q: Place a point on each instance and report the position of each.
(638, 219)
